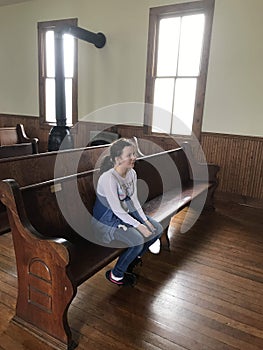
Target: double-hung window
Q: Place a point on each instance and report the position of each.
(177, 61)
(47, 73)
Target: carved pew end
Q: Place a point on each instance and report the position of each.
(44, 337)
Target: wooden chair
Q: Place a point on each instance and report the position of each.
(14, 142)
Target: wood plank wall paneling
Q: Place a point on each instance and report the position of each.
(148, 144)
(240, 157)
(81, 131)
(241, 162)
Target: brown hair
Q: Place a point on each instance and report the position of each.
(116, 150)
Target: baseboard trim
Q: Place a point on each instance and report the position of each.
(240, 199)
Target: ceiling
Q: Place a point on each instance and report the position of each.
(11, 2)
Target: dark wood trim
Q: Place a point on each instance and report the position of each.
(206, 6)
(201, 83)
(182, 7)
(232, 136)
(149, 86)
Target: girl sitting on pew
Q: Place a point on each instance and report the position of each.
(117, 214)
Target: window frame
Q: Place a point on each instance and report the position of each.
(43, 27)
(156, 14)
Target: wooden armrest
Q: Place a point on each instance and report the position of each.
(213, 169)
(202, 171)
(23, 138)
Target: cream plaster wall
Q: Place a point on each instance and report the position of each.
(234, 102)
(116, 73)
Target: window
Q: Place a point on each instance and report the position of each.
(47, 76)
(177, 61)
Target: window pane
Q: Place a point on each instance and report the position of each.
(184, 102)
(191, 43)
(68, 91)
(50, 101)
(168, 44)
(163, 99)
(68, 55)
(50, 54)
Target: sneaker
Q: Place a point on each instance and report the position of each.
(129, 279)
(133, 264)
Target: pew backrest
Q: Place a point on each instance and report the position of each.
(37, 168)
(162, 172)
(51, 206)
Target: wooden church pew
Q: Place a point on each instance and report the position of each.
(14, 142)
(56, 249)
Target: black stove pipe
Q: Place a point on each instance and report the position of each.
(61, 132)
(98, 39)
(60, 81)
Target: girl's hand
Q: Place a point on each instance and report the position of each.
(144, 230)
(150, 226)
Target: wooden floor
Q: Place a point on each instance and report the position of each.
(206, 293)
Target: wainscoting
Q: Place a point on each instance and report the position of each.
(240, 157)
(241, 164)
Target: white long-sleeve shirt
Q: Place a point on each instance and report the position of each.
(115, 189)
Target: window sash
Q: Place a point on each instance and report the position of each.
(47, 72)
(153, 74)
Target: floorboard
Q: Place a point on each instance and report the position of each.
(204, 294)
